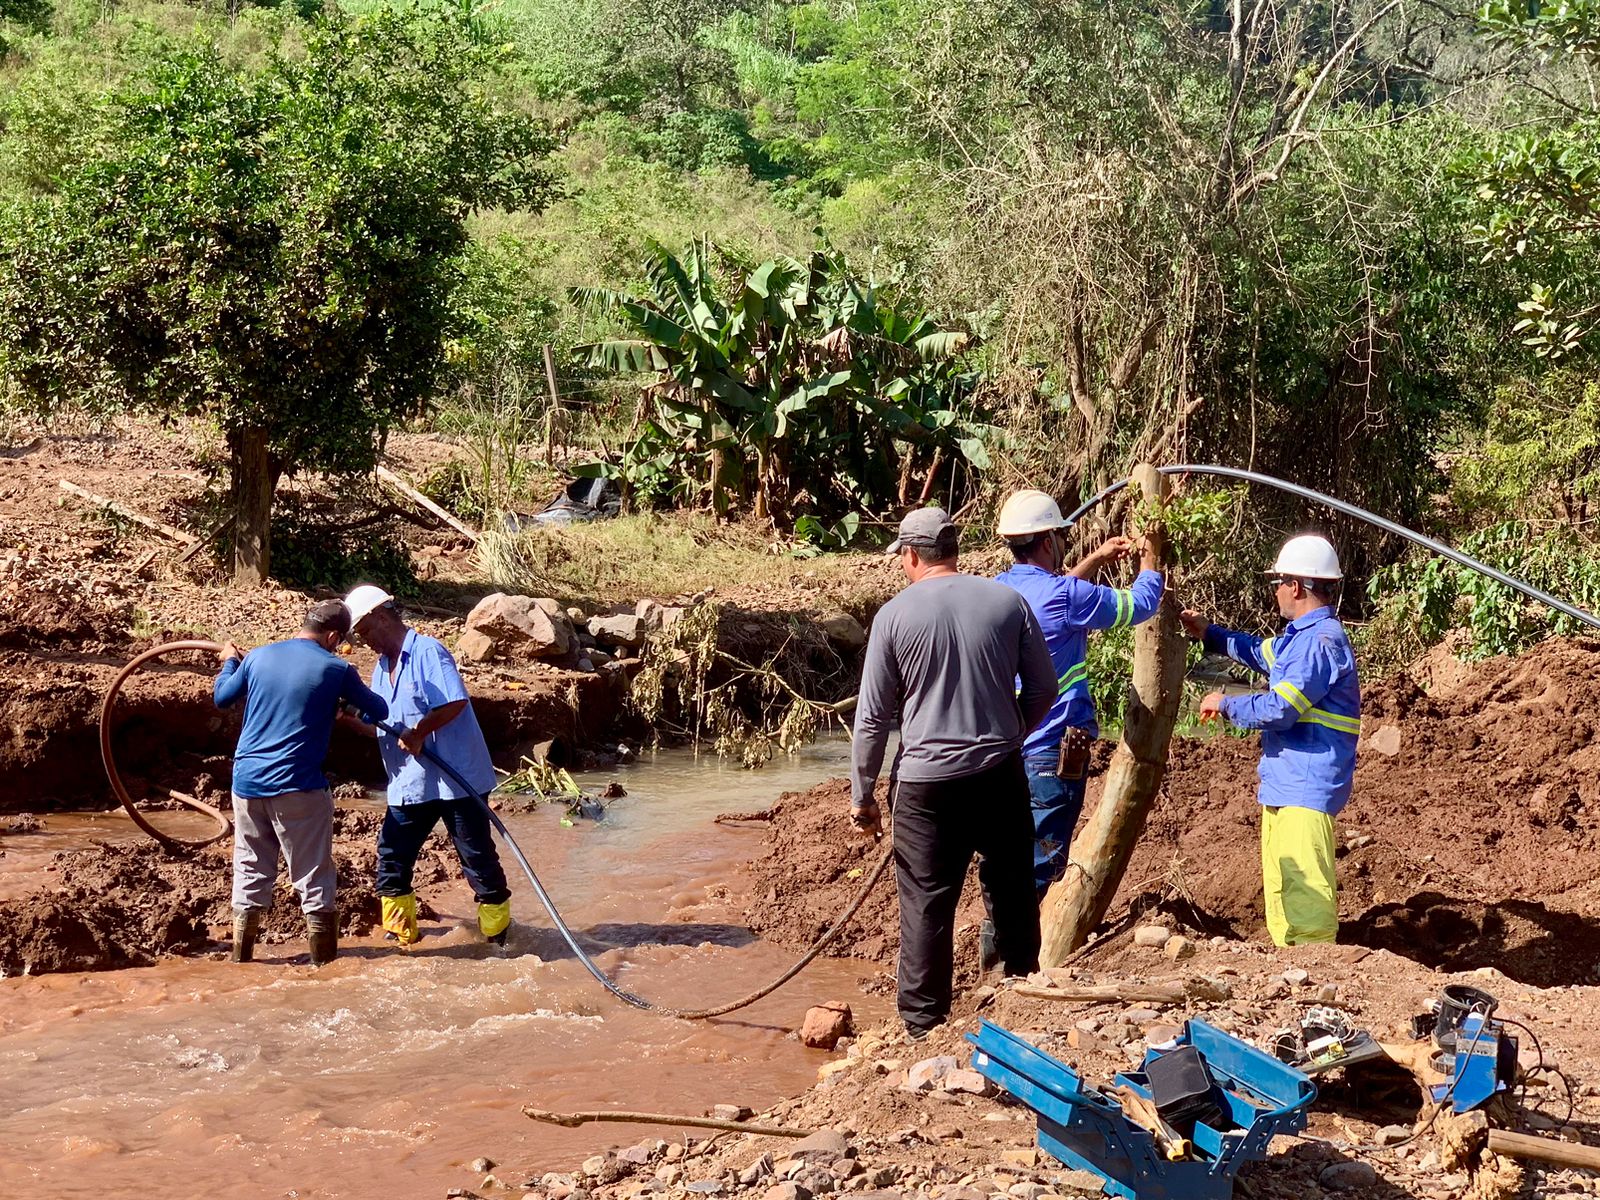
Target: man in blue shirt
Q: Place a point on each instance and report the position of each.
(291, 692)
(1067, 606)
(1310, 718)
(418, 678)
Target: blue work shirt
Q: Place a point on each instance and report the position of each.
(1067, 608)
(291, 692)
(428, 679)
(1310, 714)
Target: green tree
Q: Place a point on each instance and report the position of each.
(793, 386)
(278, 249)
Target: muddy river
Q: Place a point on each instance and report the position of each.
(386, 1073)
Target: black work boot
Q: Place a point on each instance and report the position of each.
(246, 927)
(322, 931)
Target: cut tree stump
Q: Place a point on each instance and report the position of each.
(1078, 901)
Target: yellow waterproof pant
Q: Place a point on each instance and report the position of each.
(399, 915)
(1297, 875)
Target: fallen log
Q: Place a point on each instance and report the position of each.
(126, 513)
(575, 1119)
(421, 501)
(1149, 993)
(1527, 1145)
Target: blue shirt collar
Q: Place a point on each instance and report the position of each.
(1031, 567)
(1310, 618)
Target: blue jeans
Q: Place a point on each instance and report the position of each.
(1056, 805)
(407, 826)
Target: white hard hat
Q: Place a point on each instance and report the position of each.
(362, 600)
(1028, 512)
(1308, 557)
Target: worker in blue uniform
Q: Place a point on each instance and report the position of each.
(1309, 718)
(1067, 606)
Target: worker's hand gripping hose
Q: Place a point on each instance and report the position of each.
(175, 843)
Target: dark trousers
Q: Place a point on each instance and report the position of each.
(407, 826)
(938, 827)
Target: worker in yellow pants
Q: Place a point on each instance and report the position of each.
(1309, 717)
(1297, 875)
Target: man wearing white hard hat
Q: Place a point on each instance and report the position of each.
(1309, 718)
(418, 678)
(1068, 605)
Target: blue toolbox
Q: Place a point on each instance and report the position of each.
(1218, 1103)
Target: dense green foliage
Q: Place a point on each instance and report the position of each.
(1356, 247)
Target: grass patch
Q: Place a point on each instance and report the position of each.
(672, 554)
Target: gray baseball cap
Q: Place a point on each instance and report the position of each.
(921, 529)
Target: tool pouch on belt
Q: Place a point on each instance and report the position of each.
(1074, 760)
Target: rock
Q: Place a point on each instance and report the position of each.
(819, 1181)
(836, 1067)
(481, 1166)
(1208, 990)
(522, 627)
(1348, 1176)
(623, 629)
(883, 1177)
(1296, 977)
(1152, 936)
(670, 1174)
(945, 1133)
(674, 1151)
(578, 617)
(1386, 741)
(1160, 1033)
(1026, 1190)
(843, 629)
(1080, 1181)
(966, 1081)
(1026, 1156)
(670, 616)
(1140, 1016)
(1328, 994)
(825, 1145)
(925, 1075)
(845, 1168)
(1360, 840)
(965, 1193)
(649, 614)
(825, 1024)
(1078, 1039)
(1428, 1163)
(1178, 948)
(594, 1164)
(475, 646)
(1392, 1135)
(786, 1191)
(704, 1187)
(756, 1171)
(731, 1112)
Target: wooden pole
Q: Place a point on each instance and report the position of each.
(1078, 901)
(572, 1120)
(1106, 993)
(126, 513)
(421, 501)
(1526, 1145)
(555, 414)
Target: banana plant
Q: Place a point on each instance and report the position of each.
(793, 388)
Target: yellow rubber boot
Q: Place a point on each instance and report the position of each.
(400, 918)
(494, 920)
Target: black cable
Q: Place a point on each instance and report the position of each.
(1544, 1067)
(1350, 510)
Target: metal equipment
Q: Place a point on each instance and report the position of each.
(1472, 1050)
(1176, 1130)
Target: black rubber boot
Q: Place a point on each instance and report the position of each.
(246, 927)
(322, 931)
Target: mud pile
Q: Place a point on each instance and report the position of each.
(1472, 838)
(127, 906)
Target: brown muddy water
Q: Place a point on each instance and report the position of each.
(386, 1073)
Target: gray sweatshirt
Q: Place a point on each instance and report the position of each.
(943, 663)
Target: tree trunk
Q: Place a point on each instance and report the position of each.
(252, 507)
(1077, 902)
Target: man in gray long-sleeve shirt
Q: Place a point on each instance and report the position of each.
(943, 662)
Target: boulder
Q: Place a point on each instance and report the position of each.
(522, 626)
(843, 629)
(963, 1080)
(824, 1146)
(1152, 936)
(1348, 1176)
(925, 1075)
(621, 629)
(649, 614)
(825, 1024)
(1178, 948)
(475, 646)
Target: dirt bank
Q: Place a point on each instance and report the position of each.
(1473, 837)
(126, 906)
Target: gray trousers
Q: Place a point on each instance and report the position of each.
(300, 826)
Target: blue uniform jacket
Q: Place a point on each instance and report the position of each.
(1310, 714)
(1067, 608)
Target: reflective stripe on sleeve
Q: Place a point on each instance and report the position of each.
(1269, 655)
(1124, 608)
(1293, 695)
(1075, 675)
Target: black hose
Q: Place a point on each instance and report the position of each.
(591, 966)
(1361, 514)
